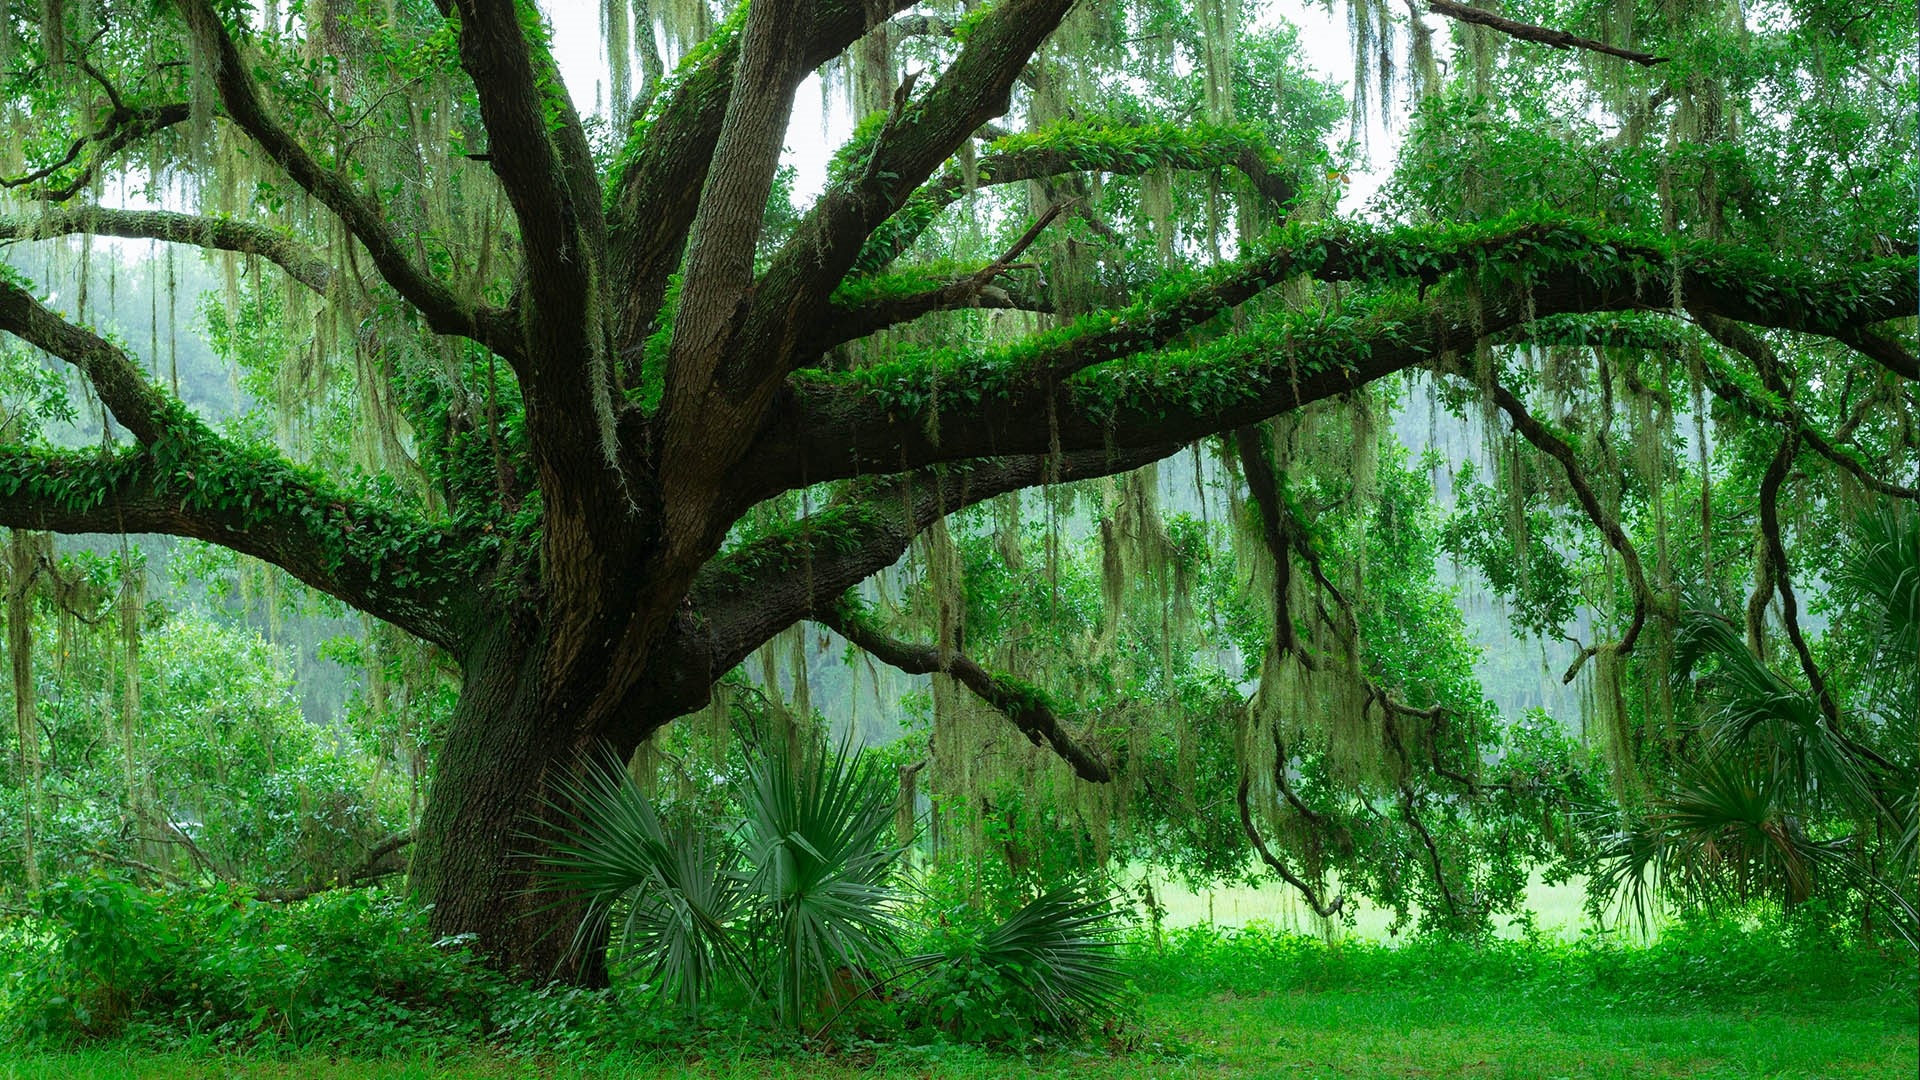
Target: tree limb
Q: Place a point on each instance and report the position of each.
(745, 596)
(1738, 339)
(401, 570)
(1559, 39)
(1024, 704)
(301, 262)
(374, 865)
(1553, 445)
(1884, 348)
(975, 290)
(660, 173)
(1075, 148)
(122, 127)
(444, 312)
(904, 415)
(117, 380)
(1321, 907)
(1776, 562)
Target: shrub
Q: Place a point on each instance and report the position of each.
(346, 969)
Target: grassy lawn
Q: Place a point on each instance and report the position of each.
(1445, 1028)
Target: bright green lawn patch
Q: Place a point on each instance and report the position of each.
(1717, 1002)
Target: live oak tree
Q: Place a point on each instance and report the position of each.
(589, 352)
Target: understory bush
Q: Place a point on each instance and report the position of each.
(351, 969)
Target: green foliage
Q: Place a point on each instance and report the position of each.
(798, 889)
(1050, 967)
(351, 970)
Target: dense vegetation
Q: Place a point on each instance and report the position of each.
(480, 572)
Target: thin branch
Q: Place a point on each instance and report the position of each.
(301, 262)
(444, 312)
(1776, 561)
(121, 128)
(374, 865)
(1324, 909)
(975, 290)
(1726, 386)
(1256, 464)
(1553, 445)
(1022, 703)
(1559, 39)
(152, 871)
(1161, 146)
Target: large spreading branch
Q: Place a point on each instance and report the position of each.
(745, 596)
(726, 228)
(1026, 705)
(1883, 348)
(923, 410)
(184, 480)
(412, 575)
(444, 311)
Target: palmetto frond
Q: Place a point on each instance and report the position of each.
(1752, 711)
(1885, 567)
(1059, 950)
(817, 832)
(680, 884)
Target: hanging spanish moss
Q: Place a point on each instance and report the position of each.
(25, 554)
(132, 605)
(1219, 26)
(1608, 710)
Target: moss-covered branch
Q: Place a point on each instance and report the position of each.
(119, 129)
(117, 380)
(746, 595)
(1099, 382)
(416, 575)
(301, 262)
(361, 214)
(1075, 147)
(1556, 446)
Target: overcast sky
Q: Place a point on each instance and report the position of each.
(819, 128)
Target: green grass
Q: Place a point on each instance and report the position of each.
(1714, 1002)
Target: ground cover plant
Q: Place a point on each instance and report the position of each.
(518, 558)
(1710, 998)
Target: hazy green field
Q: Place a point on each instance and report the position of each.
(1556, 909)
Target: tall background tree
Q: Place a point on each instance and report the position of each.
(593, 410)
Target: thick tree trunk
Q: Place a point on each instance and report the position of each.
(493, 794)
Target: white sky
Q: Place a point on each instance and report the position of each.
(819, 128)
